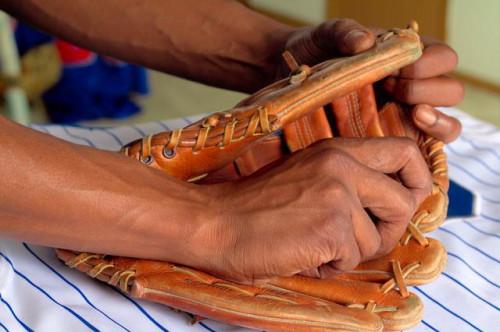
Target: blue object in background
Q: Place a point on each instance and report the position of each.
(91, 86)
(28, 37)
(461, 201)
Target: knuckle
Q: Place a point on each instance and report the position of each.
(403, 205)
(349, 259)
(335, 191)
(407, 147)
(330, 159)
(372, 246)
(410, 148)
(407, 205)
(338, 159)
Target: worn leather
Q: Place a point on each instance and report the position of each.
(333, 99)
(266, 307)
(221, 138)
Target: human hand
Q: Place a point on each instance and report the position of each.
(314, 213)
(424, 84)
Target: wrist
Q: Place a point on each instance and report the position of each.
(215, 229)
(189, 230)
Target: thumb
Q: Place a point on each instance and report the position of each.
(344, 37)
(435, 123)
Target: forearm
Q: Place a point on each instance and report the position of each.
(217, 42)
(58, 194)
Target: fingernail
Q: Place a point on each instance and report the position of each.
(426, 115)
(354, 36)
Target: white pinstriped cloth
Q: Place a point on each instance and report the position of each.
(38, 293)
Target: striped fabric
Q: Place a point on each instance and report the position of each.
(38, 293)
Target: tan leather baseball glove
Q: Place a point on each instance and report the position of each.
(282, 118)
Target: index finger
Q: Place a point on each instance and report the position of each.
(389, 202)
(437, 59)
(390, 155)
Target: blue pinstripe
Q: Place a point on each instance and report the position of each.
(4, 327)
(429, 326)
(72, 286)
(41, 290)
(471, 292)
(480, 230)
(468, 244)
(481, 162)
(489, 218)
(201, 323)
(41, 128)
(487, 184)
(89, 142)
(23, 324)
(112, 134)
(450, 254)
(206, 327)
(446, 309)
(139, 130)
(480, 148)
(164, 126)
(142, 310)
(490, 200)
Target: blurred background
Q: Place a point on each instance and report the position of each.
(45, 80)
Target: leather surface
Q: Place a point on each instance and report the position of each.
(219, 139)
(186, 289)
(307, 130)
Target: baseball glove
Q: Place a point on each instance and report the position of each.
(285, 117)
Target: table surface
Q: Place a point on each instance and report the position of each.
(38, 293)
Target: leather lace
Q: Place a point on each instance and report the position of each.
(437, 158)
(433, 149)
(124, 279)
(120, 278)
(259, 123)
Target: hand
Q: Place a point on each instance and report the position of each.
(309, 214)
(423, 84)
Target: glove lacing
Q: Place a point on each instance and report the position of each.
(258, 124)
(438, 167)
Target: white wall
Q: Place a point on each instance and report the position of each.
(309, 11)
(473, 29)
